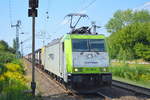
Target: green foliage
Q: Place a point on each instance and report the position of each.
(13, 83)
(14, 90)
(6, 57)
(142, 51)
(14, 45)
(13, 67)
(11, 50)
(2, 69)
(19, 62)
(3, 46)
(136, 73)
(123, 18)
(119, 20)
(132, 40)
(12, 80)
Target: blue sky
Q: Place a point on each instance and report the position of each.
(54, 26)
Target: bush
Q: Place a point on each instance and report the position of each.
(14, 91)
(133, 73)
(12, 80)
(19, 62)
(142, 51)
(2, 69)
(6, 57)
(15, 76)
(13, 67)
(12, 86)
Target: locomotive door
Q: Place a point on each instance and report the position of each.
(61, 59)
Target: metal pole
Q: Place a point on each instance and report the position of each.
(17, 40)
(32, 12)
(95, 27)
(33, 84)
(21, 49)
(17, 37)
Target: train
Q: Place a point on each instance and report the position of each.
(79, 60)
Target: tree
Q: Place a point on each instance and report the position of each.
(130, 38)
(121, 19)
(131, 42)
(12, 50)
(3, 45)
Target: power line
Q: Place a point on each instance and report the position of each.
(10, 12)
(91, 3)
(60, 27)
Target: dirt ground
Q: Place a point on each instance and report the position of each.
(47, 88)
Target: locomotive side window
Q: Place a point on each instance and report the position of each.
(80, 45)
(97, 45)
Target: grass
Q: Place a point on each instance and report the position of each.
(13, 90)
(133, 73)
(12, 82)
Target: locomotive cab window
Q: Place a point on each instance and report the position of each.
(88, 45)
(80, 45)
(97, 45)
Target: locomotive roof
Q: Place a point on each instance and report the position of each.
(76, 36)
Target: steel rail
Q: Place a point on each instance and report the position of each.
(105, 97)
(131, 87)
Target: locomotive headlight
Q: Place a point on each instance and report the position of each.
(75, 69)
(104, 69)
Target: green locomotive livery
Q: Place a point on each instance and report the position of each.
(80, 61)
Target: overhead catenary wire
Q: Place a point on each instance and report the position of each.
(46, 16)
(90, 4)
(61, 24)
(10, 12)
(84, 8)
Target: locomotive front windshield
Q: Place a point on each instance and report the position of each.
(88, 45)
(80, 45)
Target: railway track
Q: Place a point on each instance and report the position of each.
(104, 97)
(98, 95)
(105, 94)
(133, 88)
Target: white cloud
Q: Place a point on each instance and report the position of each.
(147, 4)
(144, 6)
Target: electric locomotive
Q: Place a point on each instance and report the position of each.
(81, 61)
(78, 59)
